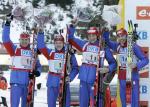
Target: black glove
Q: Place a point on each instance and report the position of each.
(67, 79)
(38, 52)
(71, 50)
(71, 25)
(9, 18)
(34, 74)
(107, 79)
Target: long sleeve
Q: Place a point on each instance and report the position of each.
(143, 60)
(74, 66)
(76, 42)
(10, 47)
(41, 45)
(38, 66)
(113, 45)
(111, 60)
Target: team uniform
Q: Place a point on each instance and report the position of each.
(87, 71)
(138, 58)
(20, 68)
(56, 67)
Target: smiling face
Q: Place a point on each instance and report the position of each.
(122, 39)
(92, 38)
(24, 42)
(59, 42)
(59, 45)
(92, 33)
(122, 36)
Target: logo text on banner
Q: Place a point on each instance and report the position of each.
(143, 35)
(143, 12)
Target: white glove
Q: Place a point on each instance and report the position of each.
(9, 18)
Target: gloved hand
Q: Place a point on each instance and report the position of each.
(9, 18)
(105, 29)
(34, 74)
(38, 52)
(71, 50)
(103, 70)
(68, 79)
(107, 79)
(41, 30)
(74, 21)
(71, 30)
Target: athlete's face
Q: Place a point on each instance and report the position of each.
(92, 38)
(122, 39)
(24, 42)
(59, 45)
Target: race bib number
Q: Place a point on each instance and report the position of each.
(122, 60)
(91, 58)
(91, 54)
(58, 65)
(26, 62)
(26, 59)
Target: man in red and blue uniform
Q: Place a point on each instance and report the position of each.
(56, 67)
(87, 72)
(22, 59)
(139, 61)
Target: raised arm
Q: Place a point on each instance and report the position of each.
(76, 42)
(8, 44)
(143, 60)
(113, 45)
(111, 60)
(41, 45)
